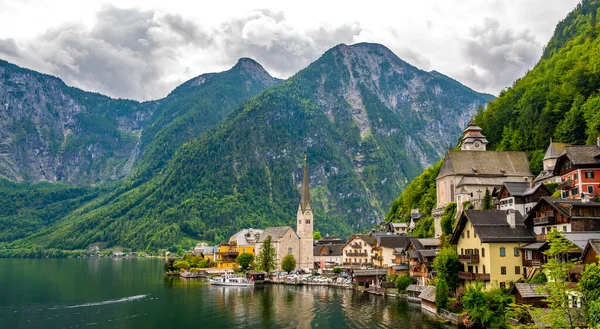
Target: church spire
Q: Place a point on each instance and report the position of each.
(305, 199)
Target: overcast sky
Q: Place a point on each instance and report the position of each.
(142, 49)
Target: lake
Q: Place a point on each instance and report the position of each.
(134, 293)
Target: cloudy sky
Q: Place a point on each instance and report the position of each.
(142, 49)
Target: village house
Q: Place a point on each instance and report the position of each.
(400, 265)
(549, 162)
(227, 252)
(226, 255)
(579, 171)
(245, 240)
(421, 254)
(488, 243)
(357, 250)
(327, 255)
(532, 258)
(591, 252)
(393, 228)
(521, 196)
(565, 215)
(384, 247)
(467, 173)
(283, 239)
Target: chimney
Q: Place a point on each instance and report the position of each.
(531, 184)
(511, 218)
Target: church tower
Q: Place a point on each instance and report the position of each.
(305, 225)
(472, 139)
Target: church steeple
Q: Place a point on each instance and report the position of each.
(305, 199)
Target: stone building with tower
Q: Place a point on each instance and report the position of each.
(467, 173)
(299, 243)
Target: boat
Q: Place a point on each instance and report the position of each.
(233, 281)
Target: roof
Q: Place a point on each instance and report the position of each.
(492, 226)
(399, 267)
(593, 244)
(399, 224)
(276, 233)
(429, 252)
(242, 236)
(534, 246)
(495, 181)
(368, 238)
(415, 287)
(430, 242)
(530, 290)
(370, 272)
(558, 205)
(471, 163)
(414, 254)
(554, 150)
(580, 155)
(393, 241)
(428, 294)
(522, 188)
(332, 249)
(580, 239)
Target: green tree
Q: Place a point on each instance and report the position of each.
(485, 308)
(558, 289)
(267, 257)
(338, 270)
(288, 263)
(447, 221)
(441, 294)
(403, 281)
(244, 260)
(317, 235)
(487, 200)
(447, 266)
(181, 264)
(589, 285)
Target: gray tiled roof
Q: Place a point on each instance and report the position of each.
(486, 181)
(461, 162)
(332, 249)
(429, 242)
(393, 241)
(428, 294)
(521, 188)
(582, 154)
(530, 290)
(554, 150)
(276, 233)
(492, 226)
(241, 236)
(580, 239)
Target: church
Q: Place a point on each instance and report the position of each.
(286, 241)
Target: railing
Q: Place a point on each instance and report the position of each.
(465, 275)
(568, 184)
(532, 262)
(541, 237)
(356, 254)
(468, 258)
(356, 246)
(482, 276)
(228, 253)
(543, 220)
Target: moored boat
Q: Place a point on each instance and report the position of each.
(234, 281)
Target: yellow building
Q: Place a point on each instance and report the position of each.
(488, 244)
(242, 242)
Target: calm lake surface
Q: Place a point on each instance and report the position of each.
(133, 293)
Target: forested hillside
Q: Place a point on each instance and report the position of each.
(367, 121)
(558, 99)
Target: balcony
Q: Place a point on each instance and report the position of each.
(532, 263)
(356, 254)
(356, 246)
(482, 276)
(470, 259)
(544, 220)
(466, 275)
(417, 274)
(567, 185)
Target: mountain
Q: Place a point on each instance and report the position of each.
(559, 99)
(52, 132)
(366, 120)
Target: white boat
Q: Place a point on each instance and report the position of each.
(233, 281)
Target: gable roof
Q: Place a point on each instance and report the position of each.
(331, 249)
(530, 290)
(276, 233)
(593, 244)
(521, 188)
(580, 239)
(368, 238)
(393, 241)
(480, 163)
(561, 206)
(241, 236)
(429, 242)
(491, 226)
(428, 294)
(580, 155)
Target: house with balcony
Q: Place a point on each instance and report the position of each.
(533, 257)
(488, 244)
(226, 255)
(357, 250)
(521, 196)
(565, 215)
(420, 254)
(327, 255)
(579, 169)
(384, 247)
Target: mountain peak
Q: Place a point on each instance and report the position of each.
(250, 65)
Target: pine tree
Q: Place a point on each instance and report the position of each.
(267, 258)
(487, 200)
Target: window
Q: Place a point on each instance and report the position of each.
(590, 189)
(468, 234)
(517, 269)
(575, 176)
(474, 234)
(589, 174)
(528, 255)
(516, 251)
(503, 270)
(502, 252)
(564, 228)
(574, 191)
(483, 253)
(462, 251)
(462, 235)
(476, 269)
(483, 268)
(543, 230)
(565, 194)
(289, 250)
(307, 221)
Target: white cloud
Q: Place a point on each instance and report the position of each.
(143, 49)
